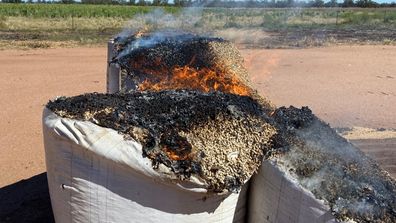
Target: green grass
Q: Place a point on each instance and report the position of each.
(369, 16)
(238, 17)
(212, 17)
(281, 18)
(76, 10)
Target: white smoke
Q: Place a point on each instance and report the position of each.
(158, 19)
(160, 25)
(146, 42)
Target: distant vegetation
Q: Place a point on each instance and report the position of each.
(46, 25)
(276, 15)
(76, 10)
(225, 3)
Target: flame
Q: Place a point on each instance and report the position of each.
(261, 64)
(187, 77)
(175, 154)
(141, 32)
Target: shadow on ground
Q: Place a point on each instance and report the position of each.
(26, 201)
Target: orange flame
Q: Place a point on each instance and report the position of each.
(174, 155)
(187, 77)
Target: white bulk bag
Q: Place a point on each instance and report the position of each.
(276, 198)
(95, 175)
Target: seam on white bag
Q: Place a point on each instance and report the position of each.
(279, 199)
(299, 200)
(71, 182)
(107, 187)
(90, 189)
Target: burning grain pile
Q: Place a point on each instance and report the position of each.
(177, 60)
(217, 137)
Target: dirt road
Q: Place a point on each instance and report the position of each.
(346, 86)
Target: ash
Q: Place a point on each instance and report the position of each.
(314, 155)
(219, 137)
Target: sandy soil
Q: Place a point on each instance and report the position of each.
(28, 80)
(345, 86)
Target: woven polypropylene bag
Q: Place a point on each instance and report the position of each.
(96, 175)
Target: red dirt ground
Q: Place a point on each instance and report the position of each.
(345, 86)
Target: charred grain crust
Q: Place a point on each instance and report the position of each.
(172, 49)
(219, 137)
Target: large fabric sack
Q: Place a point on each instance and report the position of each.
(95, 175)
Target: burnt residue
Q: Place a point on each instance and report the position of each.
(216, 136)
(352, 184)
(165, 49)
(293, 118)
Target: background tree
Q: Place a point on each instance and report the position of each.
(333, 3)
(141, 2)
(67, 1)
(318, 3)
(366, 4)
(177, 2)
(156, 2)
(12, 1)
(348, 3)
